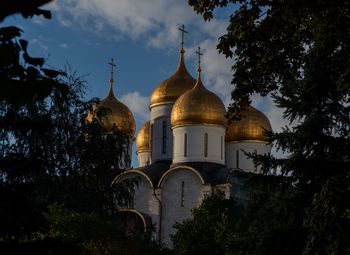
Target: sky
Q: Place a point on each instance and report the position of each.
(143, 38)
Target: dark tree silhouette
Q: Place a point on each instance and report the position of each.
(298, 52)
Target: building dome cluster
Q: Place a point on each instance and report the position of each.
(193, 104)
(187, 149)
(182, 109)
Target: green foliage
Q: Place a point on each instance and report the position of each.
(93, 233)
(328, 220)
(25, 8)
(270, 223)
(56, 168)
(207, 231)
(297, 52)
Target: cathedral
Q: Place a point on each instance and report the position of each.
(187, 150)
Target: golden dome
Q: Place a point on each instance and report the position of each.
(250, 127)
(198, 106)
(118, 115)
(171, 89)
(142, 138)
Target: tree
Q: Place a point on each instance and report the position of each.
(268, 224)
(298, 53)
(207, 231)
(55, 167)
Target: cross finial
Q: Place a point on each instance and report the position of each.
(183, 31)
(199, 53)
(111, 63)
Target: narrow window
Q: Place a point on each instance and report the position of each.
(185, 145)
(237, 158)
(164, 137)
(182, 194)
(173, 145)
(132, 201)
(151, 141)
(206, 145)
(221, 146)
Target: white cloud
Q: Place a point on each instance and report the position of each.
(155, 23)
(64, 45)
(216, 68)
(138, 105)
(38, 47)
(157, 20)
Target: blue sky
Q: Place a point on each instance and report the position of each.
(143, 38)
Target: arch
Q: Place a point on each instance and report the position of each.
(119, 176)
(142, 217)
(164, 176)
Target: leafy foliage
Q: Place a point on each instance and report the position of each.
(297, 52)
(269, 224)
(207, 231)
(56, 168)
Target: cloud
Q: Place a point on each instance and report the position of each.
(216, 70)
(138, 105)
(155, 23)
(64, 45)
(38, 47)
(157, 20)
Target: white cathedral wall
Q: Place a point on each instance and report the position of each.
(179, 199)
(144, 200)
(143, 158)
(195, 144)
(159, 114)
(234, 149)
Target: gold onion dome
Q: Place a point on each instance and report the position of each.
(117, 115)
(142, 138)
(250, 127)
(172, 88)
(198, 106)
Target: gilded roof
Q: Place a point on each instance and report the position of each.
(172, 88)
(142, 138)
(198, 106)
(250, 127)
(117, 115)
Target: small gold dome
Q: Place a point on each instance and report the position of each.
(142, 138)
(171, 89)
(198, 106)
(250, 127)
(118, 115)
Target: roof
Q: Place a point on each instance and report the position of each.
(212, 173)
(155, 170)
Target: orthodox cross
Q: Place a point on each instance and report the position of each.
(183, 31)
(199, 53)
(111, 63)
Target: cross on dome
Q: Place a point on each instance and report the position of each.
(199, 54)
(111, 63)
(183, 31)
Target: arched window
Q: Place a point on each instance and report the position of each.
(164, 137)
(185, 145)
(206, 145)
